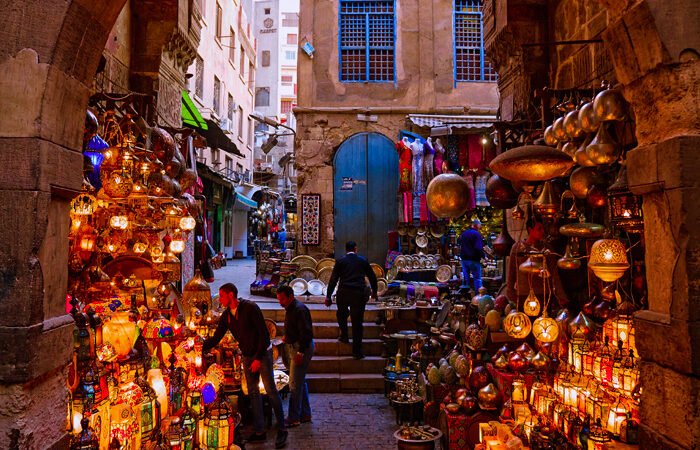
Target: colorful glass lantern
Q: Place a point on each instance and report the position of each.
(531, 307)
(517, 325)
(87, 439)
(177, 244)
(174, 434)
(87, 238)
(121, 332)
(158, 328)
(149, 410)
(195, 293)
(545, 329)
(624, 208)
(620, 327)
(189, 427)
(218, 426)
(178, 388)
(616, 416)
(608, 259)
(124, 426)
(519, 390)
(155, 379)
(119, 222)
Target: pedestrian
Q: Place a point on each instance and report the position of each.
(349, 274)
(245, 321)
(471, 251)
(299, 345)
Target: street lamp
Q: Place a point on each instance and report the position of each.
(271, 122)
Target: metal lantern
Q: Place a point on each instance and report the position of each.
(218, 425)
(621, 327)
(517, 325)
(519, 390)
(546, 204)
(616, 416)
(87, 439)
(149, 410)
(188, 223)
(606, 363)
(195, 293)
(177, 244)
(545, 329)
(624, 208)
(608, 259)
(531, 307)
(119, 222)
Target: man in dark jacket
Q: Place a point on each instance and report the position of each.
(299, 344)
(471, 251)
(245, 321)
(349, 274)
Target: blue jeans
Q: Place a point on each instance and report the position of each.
(268, 379)
(298, 388)
(473, 268)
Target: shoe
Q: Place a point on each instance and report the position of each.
(344, 339)
(281, 439)
(305, 419)
(291, 423)
(257, 437)
(360, 356)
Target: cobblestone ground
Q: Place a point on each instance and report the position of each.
(341, 422)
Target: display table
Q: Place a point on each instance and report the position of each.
(407, 412)
(415, 444)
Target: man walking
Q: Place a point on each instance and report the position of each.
(471, 252)
(245, 321)
(349, 274)
(299, 344)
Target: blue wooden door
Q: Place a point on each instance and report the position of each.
(365, 181)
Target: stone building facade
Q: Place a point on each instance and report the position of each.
(651, 50)
(50, 54)
(328, 108)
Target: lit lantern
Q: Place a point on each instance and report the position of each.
(605, 372)
(218, 426)
(598, 437)
(173, 436)
(531, 307)
(87, 238)
(545, 329)
(178, 388)
(121, 332)
(195, 293)
(608, 259)
(171, 268)
(83, 205)
(155, 379)
(558, 416)
(124, 426)
(630, 373)
(87, 439)
(119, 222)
(149, 410)
(519, 390)
(625, 208)
(189, 427)
(621, 328)
(177, 244)
(188, 223)
(580, 327)
(131, 394)
(616, 416)
(517, 325)
(537, 390)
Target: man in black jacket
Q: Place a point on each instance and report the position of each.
(299, 344)
(349, 274)
(245, 321)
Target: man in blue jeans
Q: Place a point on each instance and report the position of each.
(471, 251)
(299, 344)
(245, 321)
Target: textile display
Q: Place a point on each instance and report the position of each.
(439, 156)
(310, 219)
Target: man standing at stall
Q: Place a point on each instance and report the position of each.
(299, 345)
(471, 245)
(349, 274)
(245, 321)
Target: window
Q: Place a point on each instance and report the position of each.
(239, 168)
(290, 55)
(229, 165)
(292, 39)
(199, 78)
(290, 20)
(265, 58)
(242, 66)
(215, 155)
(367, 40)
(287, 80)
(217, 96)
(262, 96)
(232, 46)
(240, 122)
(251, 74)
(267, 11)
(286, 106)
(229, 108)
(219, 22)
(251, 133)
(470, 62)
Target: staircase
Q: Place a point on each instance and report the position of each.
(333, 369)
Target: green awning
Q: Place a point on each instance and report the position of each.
(245, 201)
(190, 113)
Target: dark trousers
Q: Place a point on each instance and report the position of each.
(351, 302)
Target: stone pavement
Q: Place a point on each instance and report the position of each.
(341, 422)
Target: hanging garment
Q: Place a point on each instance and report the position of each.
(417, 151)
(439, 156)
(463, 146)
(480, 187)
(452, 153)
(423, 209)
(405, 157)
(416, 207)
(472, 194)
(407, 207)
(429, 155)
(475, 151)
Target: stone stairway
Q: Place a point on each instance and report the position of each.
(333, 369)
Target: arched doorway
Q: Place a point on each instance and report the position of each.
(365, 182)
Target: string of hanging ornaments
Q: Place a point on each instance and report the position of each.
(137, 379)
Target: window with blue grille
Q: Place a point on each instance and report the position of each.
(470, 61)
(367, 40)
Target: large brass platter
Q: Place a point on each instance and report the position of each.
(305, 261)
(323, 263)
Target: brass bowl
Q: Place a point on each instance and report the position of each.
(531, 163)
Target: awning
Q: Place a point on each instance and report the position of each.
(190, 114)
(442, 125)
(244, 202)
(216, 138)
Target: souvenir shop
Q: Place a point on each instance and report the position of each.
(550, 360)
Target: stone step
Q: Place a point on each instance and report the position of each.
(347, 364)
(330, 330)
(323, 315)
(345, 383)
(331, 347)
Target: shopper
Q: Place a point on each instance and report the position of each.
(471, 251)
(349, 274)
(245, 321)
(299, 345)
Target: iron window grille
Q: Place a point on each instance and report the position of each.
(217, 96)
(367, 40)
(470, 62)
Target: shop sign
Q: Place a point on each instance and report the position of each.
(349, 182)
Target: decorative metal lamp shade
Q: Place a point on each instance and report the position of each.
(531, 307)
(218, 426)
(624, 208)
(608, 259)
(195, 293)
(517, 325)
(546, 204)
(545, 329)
(531, 163)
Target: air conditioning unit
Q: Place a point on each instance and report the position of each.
(226, 124)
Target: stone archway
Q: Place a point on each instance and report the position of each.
(49, 52)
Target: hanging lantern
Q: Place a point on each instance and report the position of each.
(155, 379)
(117, 185)
(83, 205)
(545, 329)
(546, 204)
(581, 157)
(620, 328)
(177, 244)
(157, 254)
(603, 149)
(87, 238)
(517, 325)
(218, 426)
(448, 195)
(196, 293)
(531, 163)
(570, 259)
(121, 332)
(534, 265)
(587, 120)
(119, 222)
(581, 327)
(531, 307)
(559, 131)
(540, 361)
(572, 128)
(609, 105)
(625, 208)
(608, 259)
(188, 223)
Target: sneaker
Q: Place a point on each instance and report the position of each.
(257, 437)
(291, 423)
(305, 419)
(281, 439)
(344, 339)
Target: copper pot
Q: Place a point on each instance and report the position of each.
(531, 163)
(500, 193)
(582, 179)
(609, 105)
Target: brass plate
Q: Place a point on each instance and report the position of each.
(307, 273)
(305, 261)
(443, 273)
(323, 263)
(325, 274)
